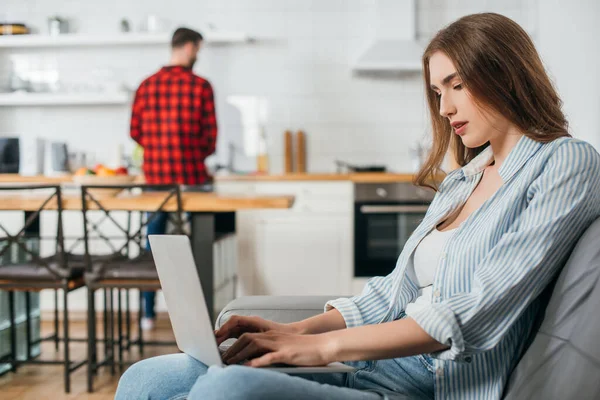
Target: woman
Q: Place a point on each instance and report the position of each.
(453, 317)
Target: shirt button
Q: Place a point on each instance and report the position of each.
(436, 293)
(439, 371)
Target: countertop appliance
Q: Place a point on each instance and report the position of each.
(9, 155)
(350, 168)
(56, 159)
(385, 215)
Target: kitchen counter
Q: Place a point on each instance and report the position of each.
(42, 179)
(364, 177)
(191, 202)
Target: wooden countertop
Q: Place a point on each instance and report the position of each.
(366, 177)
(194, 202)
(42, 179)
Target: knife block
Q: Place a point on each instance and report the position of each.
(300, 152)
(288, 153)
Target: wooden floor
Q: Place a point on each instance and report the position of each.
(33, 382)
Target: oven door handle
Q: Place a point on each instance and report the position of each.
(410, 209)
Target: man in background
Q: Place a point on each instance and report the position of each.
(173, 119)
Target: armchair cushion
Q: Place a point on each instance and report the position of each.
(282, 309)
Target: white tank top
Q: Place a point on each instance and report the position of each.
(425, 262)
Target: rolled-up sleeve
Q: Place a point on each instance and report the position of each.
(562, 202)
(373, 304)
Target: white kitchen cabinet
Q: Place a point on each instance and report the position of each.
(306, 250)
(303, 255)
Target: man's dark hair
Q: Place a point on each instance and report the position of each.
(182, 36)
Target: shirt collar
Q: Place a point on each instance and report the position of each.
(175, 68)
(518, 156)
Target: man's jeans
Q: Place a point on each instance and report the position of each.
(179, 376)
(156, 226)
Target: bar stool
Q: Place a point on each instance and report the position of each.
(53, 272)
(122, 269)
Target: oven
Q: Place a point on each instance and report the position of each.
(385, 215)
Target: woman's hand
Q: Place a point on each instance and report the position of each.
(237, 325)
(274, 347)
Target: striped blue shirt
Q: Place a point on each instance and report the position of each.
(496, 264)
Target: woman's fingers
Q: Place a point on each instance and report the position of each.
(238, 346)
(233, 328)
(266, 360)
(253, 349)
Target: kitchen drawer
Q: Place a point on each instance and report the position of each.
(325, 197)
(235, 187)
(325, 189)
(320, 204)
(314, 197)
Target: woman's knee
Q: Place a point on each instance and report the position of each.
(159, 377)
(233, 382)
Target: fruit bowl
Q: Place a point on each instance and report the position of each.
(96, 180)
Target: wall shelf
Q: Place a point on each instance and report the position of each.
(62, 99)
(118, 39)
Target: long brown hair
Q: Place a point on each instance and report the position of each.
(499, 65)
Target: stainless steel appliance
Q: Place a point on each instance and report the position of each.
(344, 167)
(385, 215)
(9, 155)
(56, 159)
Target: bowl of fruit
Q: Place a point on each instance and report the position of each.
(101, 175)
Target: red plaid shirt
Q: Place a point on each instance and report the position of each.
(173, 119)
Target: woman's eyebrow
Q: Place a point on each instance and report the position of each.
(446, 80)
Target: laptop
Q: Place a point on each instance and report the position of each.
(187, 308)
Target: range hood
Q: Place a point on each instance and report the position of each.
(394, 48)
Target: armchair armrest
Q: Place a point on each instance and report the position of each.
(284, 309)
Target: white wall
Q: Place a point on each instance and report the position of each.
(303, 70)
(568, 41)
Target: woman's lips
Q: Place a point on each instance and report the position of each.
(461, 130)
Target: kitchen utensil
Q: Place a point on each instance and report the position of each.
(58, 25)
(125, 25)
(262, 158)
(288, 151)
(300, 152)
(344, 167)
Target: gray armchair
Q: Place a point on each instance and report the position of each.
(563, 360)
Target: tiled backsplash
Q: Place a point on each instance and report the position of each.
(301, 64)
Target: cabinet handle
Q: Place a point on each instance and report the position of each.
(393, 209)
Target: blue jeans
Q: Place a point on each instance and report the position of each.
(156, 226)
(179, 376)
